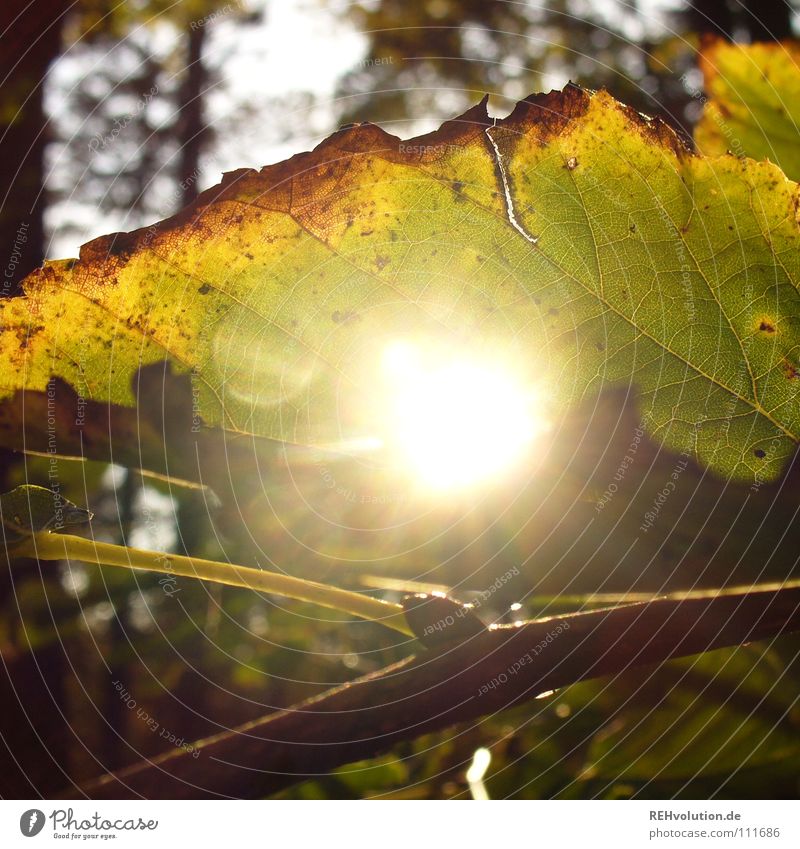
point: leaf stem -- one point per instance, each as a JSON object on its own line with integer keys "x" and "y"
{"x": 47, "y": 546}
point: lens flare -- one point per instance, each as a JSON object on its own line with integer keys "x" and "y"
{"x": 457, "y": 421}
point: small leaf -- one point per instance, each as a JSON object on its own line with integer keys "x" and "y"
{"x": 30, "y": 509}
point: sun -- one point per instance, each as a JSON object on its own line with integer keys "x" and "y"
{"x": 456, "y": 420}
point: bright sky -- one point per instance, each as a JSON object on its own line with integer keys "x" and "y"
{"x": 267, "y": 71}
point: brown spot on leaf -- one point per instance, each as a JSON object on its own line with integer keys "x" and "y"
{"x": 790, "y": 370}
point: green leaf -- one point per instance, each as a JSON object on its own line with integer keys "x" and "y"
{"x": 575, "y": 238}
{"x": 29, "y": 509}
{"x": 713, "y": 714}
{"x": 754, "y": 105}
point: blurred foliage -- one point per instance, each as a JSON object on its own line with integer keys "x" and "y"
{"x": 107, "y": 19}
{"x": 722, "y": 724}
{"x": 752, "y": 104}
{"x": 428, "y": 60}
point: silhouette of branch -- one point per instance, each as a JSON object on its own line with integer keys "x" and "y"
{"x": 460, "y": 682}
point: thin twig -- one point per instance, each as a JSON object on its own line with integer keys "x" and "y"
{"x": 46, "y": 546}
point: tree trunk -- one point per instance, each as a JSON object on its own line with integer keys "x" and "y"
{"x": 30, "y": 39}
{"x": 192, "y": 132}
{"x": 32, "y": 686}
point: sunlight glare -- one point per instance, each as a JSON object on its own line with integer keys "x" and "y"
{"x": 481, "y": 759}
{"x": 457, "y": 421}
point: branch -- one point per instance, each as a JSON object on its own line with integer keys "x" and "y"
{"x": 47, "y": 546}
{"x": 501, "y": 667}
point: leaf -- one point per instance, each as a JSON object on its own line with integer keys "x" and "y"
{"x": 575, "y": 237}
{"x": 28, "y": 509}
{"x": 707, "y": 715}
{"x": 754, "y": 106}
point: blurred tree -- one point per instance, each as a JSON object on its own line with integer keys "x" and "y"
{"x": 137, "y": 130}
{"x": 426, "y": 59}
{"x": 765, "y": 20}
{"x": 30, "y": 39}
{"x": 46, "y": 702}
